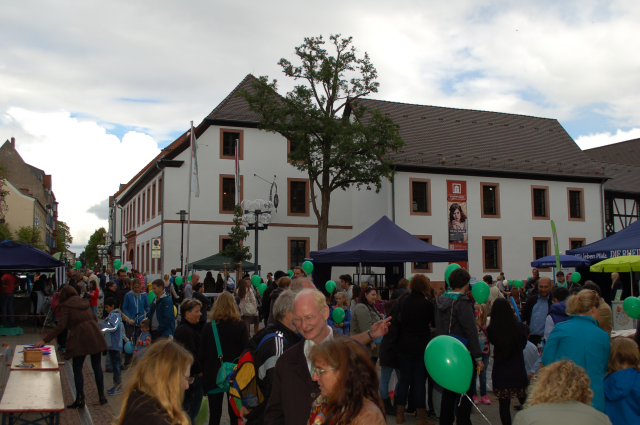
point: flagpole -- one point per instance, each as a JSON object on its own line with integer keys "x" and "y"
{"x": 189, "y": 202}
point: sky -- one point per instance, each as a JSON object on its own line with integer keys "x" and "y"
{"x": 93, "y": 90}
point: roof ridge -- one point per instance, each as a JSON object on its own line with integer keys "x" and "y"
{"x": 459, "y": 109}
{"x": 230, "y": 95}
{"x": 613, "y": 144}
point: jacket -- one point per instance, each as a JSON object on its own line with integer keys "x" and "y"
{"x": 113, "y": 330}
{"x": 571, "y": 413}
{"x": 265, "y": 359}
{"x": 95, "y": 294}
{"x": 370, "y": 414}
{"x": 418, "y": 315}
{"x": 84, "y": 335}
{"x": 622, "y": 397}
{"x": 344, "y": 330}
{"x": 527, "y": 309}
{"x": 163, "y": 307}
{"x": 274, "y": 296}
{"x": 457, "y": 316}
{"x": 389, "y": 343}
{"x": 120, "y": 291}
{"x": 510, "y": 373}
{"x": 143, "y": 409}
{"x": 135, "y": 306}
{"x": 266, "y": 299}
{"x": 205, "y": 305}
{"x": 209, "y": 284}
{"x": 558, "y": 312}
{"x": 187, "y": 334}
{"x": 362, "y": 318}
{"x": 111, "y": 294}
{"x": 580, "y": 339}
{"x": 398, "y": 292}
{"x": 234, "y": 339}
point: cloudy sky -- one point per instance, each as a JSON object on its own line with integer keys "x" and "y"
{"x": 92, "y": 90}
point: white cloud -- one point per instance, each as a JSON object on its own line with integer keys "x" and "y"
{"x": 86, "y": 163}
{"x": 603, "y": 139}
{"x": 100, "y": 210}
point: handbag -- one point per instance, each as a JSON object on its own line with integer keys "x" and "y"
{"x": 249, "y": 308}
{"x": 463, "y": 340}
{"x": 226, "y": 368}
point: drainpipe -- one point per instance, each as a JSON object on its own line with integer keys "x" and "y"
{"x": 393, "y": 195}
{"x": 604, "y": 224}
{"x": 164, "y": 183}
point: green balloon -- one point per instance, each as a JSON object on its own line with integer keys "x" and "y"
{"x": 78, "y": 265}
{"x": 189, "y": 278}
{"x": 338, "y": 315}
{"x": 152, "y": 296}
{"x": 449, "y": 363}
{"x": 330, "y": 286}
{"x": 518, "y": 283}
{"x": 530, "y": 277}
{"x": 575, "y": 278}
{"x": 449, "y": 269}
{"x": 307, "y": 266}
{"x": 410, "y": 277}
{"x": 178, "y": 280}
{"x": 290, "y": 273}
{"x": 262, "y": 287}
{"x": 125, "y": 268}
{"x": 255, "y": 280}
{"x": 480, "y": 292}
{"x": 117, "y": 264}
{"x": 631, "y": 306}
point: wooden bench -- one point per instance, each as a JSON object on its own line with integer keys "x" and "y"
{"x": 49, "y": 362}
{"x": 32, "y": 391}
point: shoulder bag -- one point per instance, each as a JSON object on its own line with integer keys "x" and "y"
{"x": 226, "y": 369}
{"x": 249, "y": 309}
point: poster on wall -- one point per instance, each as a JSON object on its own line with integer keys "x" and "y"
{"x": 457, "y": 214}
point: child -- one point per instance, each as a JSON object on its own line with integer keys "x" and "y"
{"x": 532, "y": 360}
{"x": 341, "y": 301}
{"x": 144, "y": 340}
{"x": 94, "y": 293}
{"x": 481, "y": 325}
{"x": 622, "y": 386}
{"x": 113, "y": 330}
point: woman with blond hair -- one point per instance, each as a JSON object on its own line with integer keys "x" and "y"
{"x": 622, "y": 386}
{"x": 248, "y": 305}
{"x": 559, "y": 394}
{"x": 155, "y": 389}
{"x": 233, "y": 335}
{"x": 348, "y": 384}
{"x": 168, "y": 287}
{"x": 580, "y": 339}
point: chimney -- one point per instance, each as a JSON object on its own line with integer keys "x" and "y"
{"x": 13, "y": 142}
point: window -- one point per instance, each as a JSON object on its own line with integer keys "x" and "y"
{"x": 147, "y": 256}
{"x": 228, "y": 193}
{"x": 492, "y": 253}
{"x": 298, "y": 204}
{"x": 228, "y": 138}
{"x": 298, "y": 251}
{"x": 422, "y": 267}
{"x": 575, "y": 198}
{"x": 143, "y": 204}
{"x": 291, "y": 146}
{"x": 419, "y": 195}
{"x": 541, "y": 248}
{"x": 490, "y": 200}
{"x": 160, "y": 195}
{"x": 224, "y": 241}
{"x": 138, "y": 211}
{"x": 153, "y": 203}
{"x": 608, "y": 210}
{"x": 540, "y": 202}
{"x": 575, "y": 243}
{"x": 137, "y": 262}
{"x": 148, "y": 204}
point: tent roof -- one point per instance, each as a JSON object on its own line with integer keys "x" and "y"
{"x": 216, "y": 262}
{"x": 625, "y": 242}
{"x": 565, "y": 261}
{"x": 386, "y": 242}
{"x": 20, "y": 256}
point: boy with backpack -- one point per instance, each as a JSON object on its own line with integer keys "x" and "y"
{"x": 113, "y": 330}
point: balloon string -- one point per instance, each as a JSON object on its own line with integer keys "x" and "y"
{"x": 474, "y": 405}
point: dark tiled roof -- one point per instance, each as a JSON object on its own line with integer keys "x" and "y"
{"x": 624, "y": 178}
{"x": 233, "y": 108}
{"x": 481, "y": 140}
{"x": 619, "y": 153}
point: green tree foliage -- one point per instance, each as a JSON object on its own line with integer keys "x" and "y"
{"x": 336, "y": 141}
{"x": 91, "y": 250}
{"x": 64, "y": 238}
{"x": 5, "y": 232}
{"x": 83, "y": 258}
{"x": 235, "y": 250}
{"x": 4, "y": 192}
{"x": 31, "y": 236}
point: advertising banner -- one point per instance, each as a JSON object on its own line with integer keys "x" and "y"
{"x": 457, "y": 216}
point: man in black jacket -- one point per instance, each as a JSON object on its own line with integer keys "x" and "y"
{"x": 266, "y": 296}
{"x": 456, "y": 316}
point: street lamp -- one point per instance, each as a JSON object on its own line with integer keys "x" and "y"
{"x": 183, "y": 217}
{"x": 257, "y": 216}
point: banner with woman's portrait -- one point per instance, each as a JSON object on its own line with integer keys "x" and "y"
{"x": 457, "y": 215}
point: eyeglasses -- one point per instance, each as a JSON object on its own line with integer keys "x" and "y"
{"x": 321, "y": 371}
{"x": 309, "y": 319}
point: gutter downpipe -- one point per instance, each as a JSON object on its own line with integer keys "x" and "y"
{"x": 162, "y": 220}
{"x": 603, "y": 216}
{"x": 393, "y": 196}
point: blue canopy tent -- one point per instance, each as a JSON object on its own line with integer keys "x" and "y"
{"x": 565, "y": 261}
{"x": 625, "y": 242}
{"x": 22, "y": 257}
{"x": 383, "y": 244}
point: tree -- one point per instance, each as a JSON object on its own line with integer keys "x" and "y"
{"x": 336, "y": 141}
{"x": 236, "y": 250}
{"x": 4, "y": 175}
{"x": 64, "y": 238}
{"x": 5, "y": 232}
{"x": 91, "y": 250}
{"x": 82, "y": 258}
{"x": 31, "y": 236}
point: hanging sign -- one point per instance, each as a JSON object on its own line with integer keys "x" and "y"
{"x": 458, "y": 222}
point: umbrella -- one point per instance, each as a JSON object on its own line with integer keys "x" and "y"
{"x": 565, "y": 261}
{"x": 625, "y": 263}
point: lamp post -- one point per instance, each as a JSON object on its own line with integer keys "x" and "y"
{"x": 257, "y": 216}
{"x": 183, "y": 218}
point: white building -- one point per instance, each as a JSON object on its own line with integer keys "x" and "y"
{"x": 520, "y": 173}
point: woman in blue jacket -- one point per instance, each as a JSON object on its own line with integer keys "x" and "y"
{"x": 581, "y": 340}
{"x": 135, "y": 306}
{"x": 622, "y": 386}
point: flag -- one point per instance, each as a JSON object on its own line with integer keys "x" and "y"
{"x": 238, "y": 200}
{"x": 557, "y": 251}
{"x": 195, "y": 187}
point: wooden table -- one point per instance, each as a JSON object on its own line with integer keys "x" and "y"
{"x": 30, "y": 391}
{"x": 49, "y": 362}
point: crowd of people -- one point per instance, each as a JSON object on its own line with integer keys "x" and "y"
{"x": 547, "y": 345}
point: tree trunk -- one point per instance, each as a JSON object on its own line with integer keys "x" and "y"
{"x": 323, "y": 220}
